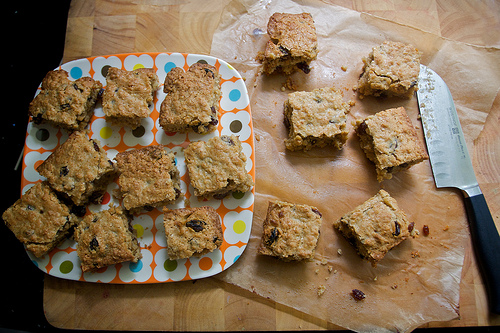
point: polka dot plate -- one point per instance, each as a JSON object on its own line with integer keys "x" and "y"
{"x": 235, "y": 210}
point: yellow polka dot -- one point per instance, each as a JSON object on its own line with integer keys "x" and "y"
{"x": 138, "y": 66}
{"x": 105, "y": 132}
{"x": 239, "y": 227}
{"x": 139, "y": 229}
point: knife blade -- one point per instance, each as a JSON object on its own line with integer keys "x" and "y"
{"x": 452, "y": 167}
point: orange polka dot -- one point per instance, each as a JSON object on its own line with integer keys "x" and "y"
{"x": 102, "y": 270}
{"x": 106, "y": 198}
{"x": 205, "y": 263}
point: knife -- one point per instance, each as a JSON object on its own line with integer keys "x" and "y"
{"x": 452, "y": 167}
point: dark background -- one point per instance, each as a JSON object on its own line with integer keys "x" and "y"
{"x": 35, "y": 33}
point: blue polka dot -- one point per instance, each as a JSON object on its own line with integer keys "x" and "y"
{"x": 236, "y": 258}
{"x": 76, "y": 73}
{"x": 168, "y": 66}
{"x": 136, "y": 266}
{"x": 234, "y": 95}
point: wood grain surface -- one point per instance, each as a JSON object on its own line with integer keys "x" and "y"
{"x": 100, "y": 27}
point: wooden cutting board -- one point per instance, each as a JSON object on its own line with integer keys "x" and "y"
{"x": 100, "y": 27}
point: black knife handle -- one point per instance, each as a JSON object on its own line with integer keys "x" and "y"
{"x": 486, "y": 242}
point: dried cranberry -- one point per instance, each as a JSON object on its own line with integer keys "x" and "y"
{"x": 283, "y": 50}
{"x": 94, "y": 244}
{"x": 317, "y": 212}
{"x": 96, "y": 146}
{"x": 304, "y": 67}
{"x": 196, "y": 225}
{"x": 358, "y": 295}
{"x": 64, "y": 171}
{"x": 426, "y": 230}
{"x": 275, "y": 233}
{"x": 228, "y": 140}
{"x": 361, "y": 129}
{"x": 397, "y": 229}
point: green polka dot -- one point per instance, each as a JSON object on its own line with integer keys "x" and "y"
{"x": 139, "y": 131}
{"x": 104, "y": 70}
{"x": 66, "y": 267}
{"x": 42, "y": 134}
{"x": 170, "y": 265}
{"x": 239, "y": 227}
{"x": 238, "y": 195}
{"x": 235, "y": 125}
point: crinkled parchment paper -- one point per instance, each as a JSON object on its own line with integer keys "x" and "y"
{"x": 418, "y": 281}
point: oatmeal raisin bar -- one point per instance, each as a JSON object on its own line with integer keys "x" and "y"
{"x": 316, "y": 119}
{"x": 40, "y": 220}
{"x": 293, "y": 43}
{"x": 148, "y": 177}
{"x": 217, "y": 167}
{"x": 192, "y": 101}
{"x": 192, "y": 231}
{"x": 390, "y": 141}
{"x": 375, "y": 227}
{"x": 79, "y": 168}
{"x": 391, "y": 69}
{"x": 128, "y": 95}
{"x": 65, "y": 103}
{"x": 290, "y": 231}
{"x": 105, "y": 238}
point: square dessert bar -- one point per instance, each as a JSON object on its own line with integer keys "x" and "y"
{"x": 293, "y": 43}
{"x": 316, "y": 119}
{"x": 79, "y": 168}
{"x": 391, "y": 69}
{"x": 148, "y": 177}
{"x": 105, "y": 238}
{"x": 40, "y": 220}
{"x": 192, "y": 231}
{"x": 375, "y": 227}
{"x": 128, "y": 95}
{"x": 217, "y": 167}
{"x": 290, "y": 231}
{"x": 192, "y": 101}
{"x": 64, "y": 103}
{"x": 390, "y": 141}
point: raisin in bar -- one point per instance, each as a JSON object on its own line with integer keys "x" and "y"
{"x": 316, "y": 119}
{"x": 293, "y": 43}
{"x": 148, "y": 177}
{"x": 217, "y": 167}
{"x": 192, "y": 101}
{"x": 192, "y": 231}
{"x": 65, "y": 103}
{"x": 391, "y": 69}
{"x": 290, "y": 231}
{"x": 105, "y": 238}
{"x": 390, "y": 141}
{"x": 128, "y": 95}
{"x": 375, "y": 227}
{"x": 40, "y": 220}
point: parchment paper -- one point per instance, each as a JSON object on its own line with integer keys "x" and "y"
{"x": 418, "y": 281}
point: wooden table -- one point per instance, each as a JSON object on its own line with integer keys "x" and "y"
{"x": 99, "y": 27}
